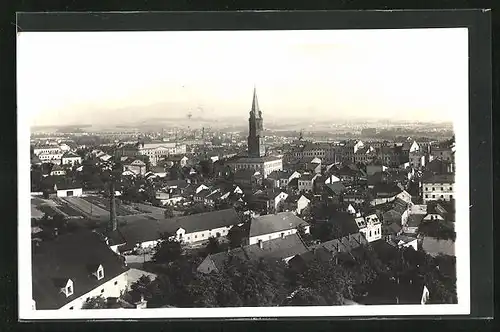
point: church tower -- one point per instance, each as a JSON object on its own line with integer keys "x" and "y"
{"x": 256, "y": 147}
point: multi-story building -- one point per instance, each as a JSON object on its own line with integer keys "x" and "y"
{"x": 370, "y": 226}
{"x": 154, "y": 151}
{"x": 438, "y": 187}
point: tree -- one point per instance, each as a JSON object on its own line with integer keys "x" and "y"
{"x": 169, "y": 212}
{"x": 236, "y": 235}
{"x": 306, "y": 296}
{"x": 96, "y": 302}
{"x": 167, "y": 250}
{"x": 207, "y": 168}
{"x": 213, "y": 246}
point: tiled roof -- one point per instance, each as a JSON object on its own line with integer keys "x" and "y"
{"x": 275, "y": 249}
{"x": 440, "y": 178}
{"x": 344, "y": 244}
{"x": 70, "y": 257}
{"x": 151, "y": 229}
{"x": 271, "y": 223}
{"x": 414, "y": 220}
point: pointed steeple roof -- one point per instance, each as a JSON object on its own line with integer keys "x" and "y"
{"x": 255, "y": 103}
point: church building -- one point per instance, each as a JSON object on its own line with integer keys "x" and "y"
{"x": 257, "y": 159}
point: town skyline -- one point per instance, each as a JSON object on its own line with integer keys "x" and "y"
{"x": 413, "y": 75}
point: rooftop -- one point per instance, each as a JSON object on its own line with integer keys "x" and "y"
{"x": 146, "y": 229}
{"x": 272, "y": 223}
{"x": 275, "y": 249}
{"x": 439, "y": 178}
{"x": 254, "y": 160}
{"x": 70, "y": 256}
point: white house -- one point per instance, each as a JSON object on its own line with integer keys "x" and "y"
{"x": 191, "y": 229}
{"x": 302, "y": 203}
{"x": 57, "y": 171}
{"x": 51, "y": 157}
{"x": 273, "y": 226}
{"x": 63, "y": 190}
{"x": 70, "y": 158}
{"x": 332, "y": 179}
{"x": 370, "y": 226}
{"x": 90, "y": 270}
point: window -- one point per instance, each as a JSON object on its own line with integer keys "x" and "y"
{"x": 433, "y": 196}
{"x": 451, "y": 196}
{"x": 426, "y": 196}
{"x": 432, "y": 188}
{"x": 69, "y": 290}
{"x": 102, "y": 290}
{"x": 116, "y": 283}
{"x": 451, "y": 188}
{"x": 442, "y": 188}
{"x": 442, "y": 196}
{"x": 196, "y": 236}
{"x": 71, "y": 308}
{"x": 203, "y": 235}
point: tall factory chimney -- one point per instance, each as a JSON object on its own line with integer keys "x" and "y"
{"x": 112, "y": 208}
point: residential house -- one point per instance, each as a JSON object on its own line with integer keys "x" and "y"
{"x": 302, "y": 203}
{"x": 73, "y": 268}
{"x": 438, "y": 187}
{"x": 64, "y": 189}
{"x": 190, "y": 229}
{"x": 57, "y": 171}
{"x": 403, "y": 241}
{"x": 138, "y": 167}
{"x": 281, "y": 179}
{"x": 70, "y": 158}
{"x": 281, "y": 248}
{"x": 270, "y": 200}
{"x": 417, "y": 159}
{"x": 412, "y": 223}
{"x": 335, "y": 191}
{"x": 178, "y": 160}
{"x": 51, "y": 157}
{"x": 157, "y": 171}
{"x": 248, "y": 178}
{"x": 365, "y": 155}
{"x": 272, "y": 226}
{"x": 370, "y": 226}
{"x": 306, "y": 182}
{"x": 438, "y": 166}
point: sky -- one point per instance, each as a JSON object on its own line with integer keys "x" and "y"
{"x": 121, "y": 77}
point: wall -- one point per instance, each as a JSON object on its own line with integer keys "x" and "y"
{"x": 443, "y": 191}
{"x": 64, "y": 193}
{"x": 205, "y": 235}
{"x": 271, "y": 236}
{"x": 302, "y": 203}
{"x": 372, "y": 232}
{"x": 110, "y": 290}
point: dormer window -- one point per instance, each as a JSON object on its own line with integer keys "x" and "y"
{"x": 100, "y": 273}
{"x": 67, "y": 289}
{"x": 97, "y": 271}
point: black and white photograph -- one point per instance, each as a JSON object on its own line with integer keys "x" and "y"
{"x": 243, "y": 173}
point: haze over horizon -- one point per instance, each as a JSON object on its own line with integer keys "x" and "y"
{"x": 115, "y": 78}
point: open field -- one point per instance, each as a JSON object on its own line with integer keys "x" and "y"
{"x": 103, "y": 203}
{"x": 86, "y": 207}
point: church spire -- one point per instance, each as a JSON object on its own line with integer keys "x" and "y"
{"x": 255, "y": 104}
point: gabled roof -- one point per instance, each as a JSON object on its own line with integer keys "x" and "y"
{"x": 272, "y": 223}
{"x": 70, "y": 256}
{"x": 344, "y": 244}
{"x": 275, "y": 249}
{"x": 345, "y": 222}
{"x": 308, "y": 176}
{"x": 439, "y": 178}
{"x": 151, "y": 229}
{"x": 70, "y": 154}
{"x": 337, "y": 187}
{"x": 414, "y": 220}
